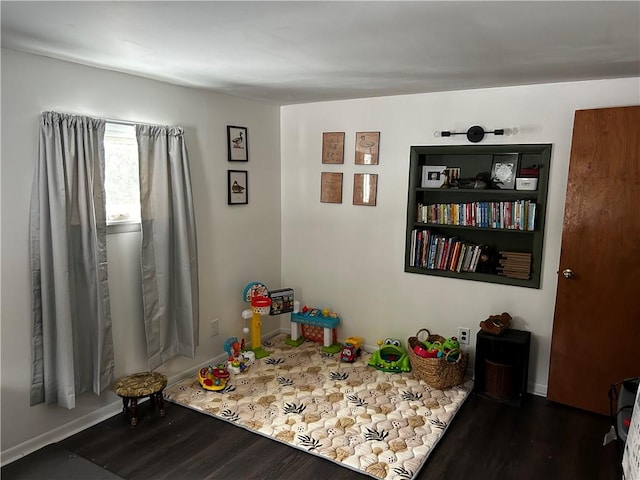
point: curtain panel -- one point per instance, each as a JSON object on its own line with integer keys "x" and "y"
{"x": 72, "y": 344}
{"x": 169, "y": 256}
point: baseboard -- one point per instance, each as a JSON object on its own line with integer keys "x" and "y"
{"x": 538, "y": 389}
{"x": 60, "y": 433}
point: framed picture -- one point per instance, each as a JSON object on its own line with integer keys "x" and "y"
{"x": 365, "y": 189}
{"x": 238, "y": 187}
{"x": 452, "y": 176}
{"x": 503, "y": 171}
{"x": 333, "y": 147}
{"x": 367, "y": 148}
{"x": 238, "y": 144}
{"x": 331, "y": 187}
{"x": 433, "y": 176}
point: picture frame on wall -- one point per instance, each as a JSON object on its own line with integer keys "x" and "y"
{"x": 333, "y": 147}
{"x": 238, "y": 187}
{"x": 367, "y": 148}
{"x": 365, "y": 189}
{"x": 238, "y": 143}
{"x": 331, "y": 187}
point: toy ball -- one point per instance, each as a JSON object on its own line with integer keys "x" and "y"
{"x": 245, "y": 330}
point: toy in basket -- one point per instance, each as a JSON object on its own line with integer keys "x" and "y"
{"x": 444, "y": 371}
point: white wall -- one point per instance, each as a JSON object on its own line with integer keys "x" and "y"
{"x": 236, "y": 244}
{"x": 351, "y": 258}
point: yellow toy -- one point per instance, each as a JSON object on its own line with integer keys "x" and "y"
{"x": 213, "y": 378}
{"x": 258, "y": 294}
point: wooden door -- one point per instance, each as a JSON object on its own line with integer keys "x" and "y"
{"x": 596, "y": 326}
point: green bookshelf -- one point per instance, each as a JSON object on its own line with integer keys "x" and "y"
{"x": 500, "y": 218}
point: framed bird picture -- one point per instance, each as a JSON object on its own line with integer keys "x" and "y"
{"x": 238, "y": 186}
{"x": 367, "y": 148}
{"x": 238, "y": 144}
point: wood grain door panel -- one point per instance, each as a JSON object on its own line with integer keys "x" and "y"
{"x": 596, "y": 330}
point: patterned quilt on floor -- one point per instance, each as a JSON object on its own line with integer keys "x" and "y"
{"x": 381, "y": 424}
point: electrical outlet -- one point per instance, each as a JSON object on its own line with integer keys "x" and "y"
{"x": 463, "y": 335}
{"x": 214, "y": 327}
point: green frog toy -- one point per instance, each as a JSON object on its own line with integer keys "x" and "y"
{"x": 390, "y": 357}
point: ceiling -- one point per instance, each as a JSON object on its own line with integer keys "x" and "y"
{"x": 300, "y": 52}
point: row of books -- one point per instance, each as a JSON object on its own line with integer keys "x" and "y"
{"x": 515, "y": 215}
{"x": 437, "y": 252}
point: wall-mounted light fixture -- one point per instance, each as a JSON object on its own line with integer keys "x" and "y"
{"x": 476, "y": 133}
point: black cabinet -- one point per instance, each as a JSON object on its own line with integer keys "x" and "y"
{"x": 455, "y": 200}
{"x": 502, "y": 365}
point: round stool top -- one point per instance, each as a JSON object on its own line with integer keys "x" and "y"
{"x": 140, "y": 384}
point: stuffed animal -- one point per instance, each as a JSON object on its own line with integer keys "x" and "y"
{"x": 451, "y": 343}
{"x": 496, "y": 324}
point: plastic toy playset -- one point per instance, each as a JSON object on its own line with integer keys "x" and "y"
{"x": 311, "y": 324}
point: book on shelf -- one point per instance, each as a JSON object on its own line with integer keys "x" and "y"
{"x": 454, "y": 257}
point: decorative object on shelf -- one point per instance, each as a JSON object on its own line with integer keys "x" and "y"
{"x": 433, "y": 176}
{"x": 238, "y": 144}
{"x": 503, "y": 171}
{"x": 333, "y": 147}
{"x": 529, "y": 184}
{"x": 365, "y": 189}
{"x": 515, "y": 265}
{"x": 238, "y": 187}
{"x": 476, "y": 133}
{"x": 451, "y": 178}
{"x": 528, "y": 178}
{"x": 367, "y": 148}
{"x": 486, "y": 260}
{"x": 496, "y": 324}
{"x": 331, "y": 187}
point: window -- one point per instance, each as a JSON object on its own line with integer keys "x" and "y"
{"x": 122, "y": 185}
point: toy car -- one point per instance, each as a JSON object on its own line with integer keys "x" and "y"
{"x": 350, "y": 350}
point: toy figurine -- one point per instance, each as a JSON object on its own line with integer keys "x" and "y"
{"x": 390, "y": 357}
{"x": 451, "y": 344}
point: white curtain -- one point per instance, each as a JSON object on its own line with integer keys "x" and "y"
{"x": 169, "y": 255}
{"x": 72, "y": 345}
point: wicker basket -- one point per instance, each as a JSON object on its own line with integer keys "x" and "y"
{"x": 440, "y": 372}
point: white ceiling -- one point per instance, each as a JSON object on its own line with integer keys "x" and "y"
{"x": 299, "y": 52}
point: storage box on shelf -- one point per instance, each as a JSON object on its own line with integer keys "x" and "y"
{"x": 455, "y": 229}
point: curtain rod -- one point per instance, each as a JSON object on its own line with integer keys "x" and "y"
{"x": 133, "y": 124}
{"x": 120, "y": 122}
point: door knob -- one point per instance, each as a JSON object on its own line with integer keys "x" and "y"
{"x": 567, "y": 273}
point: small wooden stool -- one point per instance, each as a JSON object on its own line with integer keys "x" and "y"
{"x": 140, "y": 385}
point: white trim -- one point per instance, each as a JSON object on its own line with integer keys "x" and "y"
{"x": 60, "y": 433}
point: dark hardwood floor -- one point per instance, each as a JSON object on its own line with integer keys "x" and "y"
{"x": 487, "y": 440}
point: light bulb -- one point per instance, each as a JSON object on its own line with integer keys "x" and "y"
{"x": 436, "y": 134}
